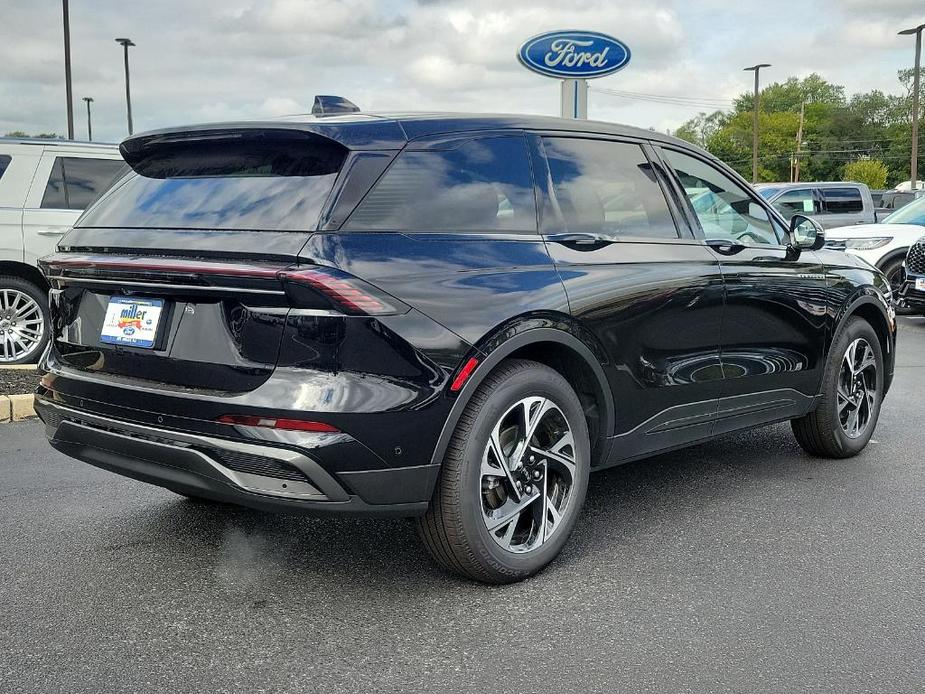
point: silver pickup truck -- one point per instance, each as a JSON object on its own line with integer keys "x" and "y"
{"x": 44, "y": 187}
{"x": 832, "y": 204}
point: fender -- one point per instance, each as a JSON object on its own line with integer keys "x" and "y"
{"x": 508, "y": 347}
{"x": 864, "y": 295}
{"x": 870, "y": 296}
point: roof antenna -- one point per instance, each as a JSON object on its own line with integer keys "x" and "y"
{"x": 327, "y": 105}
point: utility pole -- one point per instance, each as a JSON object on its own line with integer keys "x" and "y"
{"x": 755, "y": 69}
{"x": 67, "y": 71}
{"x": 796, "y": 167}
{"x": 89, "y": 99}
{"x": 128, "y": 92}
{"x": 915, "y": 100}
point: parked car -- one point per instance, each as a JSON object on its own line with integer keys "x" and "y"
{"x": 885, "y": 245}
{"x": 455, "y": 318}
{"x": 892, "y": 200}
{"x": 44, "y": 186}
{"x": 912, "y": 292}
{"x": 832, "y": 204}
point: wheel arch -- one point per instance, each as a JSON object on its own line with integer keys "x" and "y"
{"x": 25, "y": 272}
{"x": 561, "y": 351}
{"x": 895, "y": 254}
{"x": 869, "y": 306}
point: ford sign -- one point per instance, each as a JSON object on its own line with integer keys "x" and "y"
{"x": 574, "y": 54}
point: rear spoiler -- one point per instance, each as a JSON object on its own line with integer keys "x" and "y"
{"x": 358, "y": 132}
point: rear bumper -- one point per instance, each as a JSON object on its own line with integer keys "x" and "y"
{"x": 252, "y": 474}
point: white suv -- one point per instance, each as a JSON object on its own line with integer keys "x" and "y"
{"x": 885, "y": 245}
{"x": 44, "y": 186}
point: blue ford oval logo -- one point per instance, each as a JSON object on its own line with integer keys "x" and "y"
{"x": 574, "y": 54}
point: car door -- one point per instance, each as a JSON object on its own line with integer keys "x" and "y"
{"x": 62, "y": 187}
{"x": 639, "y": 282}
{"x": 774, "y": 326}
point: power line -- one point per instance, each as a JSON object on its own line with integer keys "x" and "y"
{"x": 690, "y": 102}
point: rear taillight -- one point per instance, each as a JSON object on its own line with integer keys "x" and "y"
{"x": 246, "y": 420}
{"x": 346, "y": 292}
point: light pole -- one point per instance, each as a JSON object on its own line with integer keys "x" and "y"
{"x": 89, "y": 99}
{"x": 755, "y": 68}
{"x": 915, "y": 100}
{"x": 67, "y": 71}
{"x": 128, "y": 93}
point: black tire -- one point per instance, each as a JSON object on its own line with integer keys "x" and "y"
{"x": 821, "y": 432}
{"x": 454, "y": 529}
{"x": 895, "y": 273}
{"x": 40, "y": 296}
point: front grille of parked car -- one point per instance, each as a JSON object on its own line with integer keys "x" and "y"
{"x": 255, "y": 465}
{"x": 915, "y": 261}
{"x": 836, "y": 244}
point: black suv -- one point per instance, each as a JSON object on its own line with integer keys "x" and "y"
{"x": 913, "y": 289}
{"x": 456, "y": 318}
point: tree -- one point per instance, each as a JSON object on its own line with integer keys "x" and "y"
{"x": 869, "y": 171}
{"x": 699, "y": 129}
{"x": 837, "y": 130}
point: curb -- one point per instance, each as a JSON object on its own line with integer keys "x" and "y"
{"x": 14, "y": 408}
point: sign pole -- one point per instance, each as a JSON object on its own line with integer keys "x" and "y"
{"x": 574, "y": 99}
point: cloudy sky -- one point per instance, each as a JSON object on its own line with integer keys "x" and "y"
{"x": 209, "y": 60}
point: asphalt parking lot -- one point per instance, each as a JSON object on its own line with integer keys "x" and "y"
{"x": 738, "y": 565}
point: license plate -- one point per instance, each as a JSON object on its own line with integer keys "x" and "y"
{"x": 920, "y": 284}
{"x": 131, "y": 322}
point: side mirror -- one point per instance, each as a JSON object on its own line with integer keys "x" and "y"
{"x": 806, "y": 234}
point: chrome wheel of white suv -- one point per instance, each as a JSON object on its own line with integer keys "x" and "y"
{"x": 22, "y": 326}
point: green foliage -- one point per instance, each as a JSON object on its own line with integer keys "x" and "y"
{"x": 837, "y": 130}
{"x": 873, "y": 172}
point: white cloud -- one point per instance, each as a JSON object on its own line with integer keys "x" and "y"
{"x": 230, "y": 59}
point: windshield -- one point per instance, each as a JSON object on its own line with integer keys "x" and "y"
{"x": 913, "y": 213}
{"x": 767, "y": 193}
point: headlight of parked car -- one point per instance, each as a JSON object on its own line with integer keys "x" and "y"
{"x": 867, "y": 244}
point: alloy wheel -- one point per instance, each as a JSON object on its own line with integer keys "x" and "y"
{"x": 527, "y": 474}
{"x": 22, "y": 325}
{"x": 857, "y": 388}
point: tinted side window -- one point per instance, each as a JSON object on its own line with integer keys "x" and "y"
{"x": 608, "y": 188}
{"x": 480, "y": 185}
{"x": 725, "y": 209}
{"x": 796, "y": 202}
{"x": 55, "y": 196}
{"x": 87, "y": 178}
{"x": 842, "y": 200}
{"x": 5, "y": 160}
{"x": 75, "y": 182}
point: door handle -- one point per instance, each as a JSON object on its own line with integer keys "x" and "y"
{"x": 724, "y": 247}
{"x": 52, "y": 231}
{"x": 580, "y": 238}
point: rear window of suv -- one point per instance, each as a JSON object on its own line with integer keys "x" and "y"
{"x": 240, "y": 182}
{"x": 476, "y": 185}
